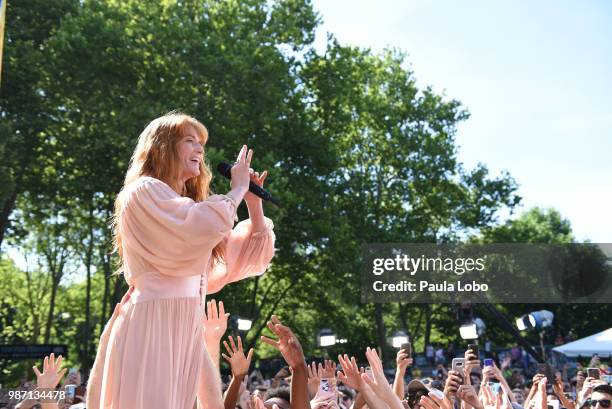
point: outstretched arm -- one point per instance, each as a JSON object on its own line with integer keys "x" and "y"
{"x": 240, "y": 368}
{"x": 291, "y": 350}
{"x": 215, "y": 325}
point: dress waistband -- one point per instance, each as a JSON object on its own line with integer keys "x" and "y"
{"x": 152, "y": 285}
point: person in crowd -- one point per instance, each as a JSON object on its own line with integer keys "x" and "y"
{"x": 239, "y": 364}
{"x": 601, "y": 397}
{"x": 429, "y": 354}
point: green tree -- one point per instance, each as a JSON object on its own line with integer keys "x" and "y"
{"x": 29, "y": 23}
{"x": 397, "y": 177}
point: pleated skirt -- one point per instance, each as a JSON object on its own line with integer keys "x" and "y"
{"x": 151, "y": 357}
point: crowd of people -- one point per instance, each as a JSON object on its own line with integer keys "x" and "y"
{"x": 347, "y": 385}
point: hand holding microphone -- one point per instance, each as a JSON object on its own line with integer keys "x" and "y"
{"x": 243, "y": 177}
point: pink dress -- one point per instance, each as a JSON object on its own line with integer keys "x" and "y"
{"x": 152, "y": 354}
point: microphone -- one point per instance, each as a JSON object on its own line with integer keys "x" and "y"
{"x": 225, "y": 169}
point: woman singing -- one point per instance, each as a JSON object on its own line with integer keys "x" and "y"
{"x": 177, "y": 243}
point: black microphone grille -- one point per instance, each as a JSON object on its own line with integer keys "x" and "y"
{"x": 225, "y": 169}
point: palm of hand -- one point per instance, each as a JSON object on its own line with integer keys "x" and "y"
{"x": 352, "y": 380}
{"x": 350, "y": 375}
{"x": 215, "y": 321}
{"x": 51, "y": 374}
{"x": 291, "y": 350}
{"x": 215, "y": 328}
{"x": 330, "y": 369}
{"x": 239, "y": 363}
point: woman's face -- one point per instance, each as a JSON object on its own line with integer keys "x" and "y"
{"x": 190, "y": 152}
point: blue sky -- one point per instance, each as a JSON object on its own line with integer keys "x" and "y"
{"x": 535, "y": 76}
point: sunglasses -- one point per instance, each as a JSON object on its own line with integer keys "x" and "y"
{"x": 605, "y": 403}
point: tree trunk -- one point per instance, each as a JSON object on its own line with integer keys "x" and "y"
{"x": 7, "y": 209}
{"x": 380, "y": 331}
{"x": 427, "y": 326}
{"x": 403, "y": 312}
{"x": 56, "y": 268}
{"x": 88, "y": 261}
{"x": 54, "y": 286}
{"x": 254, "y": 298}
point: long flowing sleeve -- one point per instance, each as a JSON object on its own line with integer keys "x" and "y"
{"x": 247, "y": 253}
{"x": 171, "y": 232}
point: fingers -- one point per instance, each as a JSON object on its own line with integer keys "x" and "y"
{"x": 369, "y": 381}
{"x": 62, "y": 373}
{"x": 249, "y": 157}
{"x": 374, "y": 360}
{"x": 428, "y": 403}
{"x": 275, "y": 320}
{"x": 227, "y": 358}
{"x": 263, "y": 176}
{"x": 227, "y": 348}
{"x": 214, "y": 312}
{"x": 270, "y": 341}
{"x": 36, "y": 371}
{"x": 233, "y": 344}
{"x": 272, "y": 327}
{"x": 311, "y": 371}
{"x": 240, "y": 343}
{"x": 241, "y": 154}
{"x": 250, "y": 355}
{"x": 435, "y": 398}
{"x": 221, "y": 309}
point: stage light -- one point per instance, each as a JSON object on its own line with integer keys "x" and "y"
{"x": 473, "y": 329}
{"x": 399, "y": 338}
{"x": 537, "y": 320}
{"x": 244, "y": 324}
{"x": 326, "y": 338}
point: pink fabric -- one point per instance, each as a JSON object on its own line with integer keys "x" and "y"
{"x": 151, "y": 354}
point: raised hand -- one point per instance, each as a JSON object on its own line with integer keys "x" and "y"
{"x": 258, "y": 179}
{"x": 487, "y": 395}
{"x": 540, "y": 399}
{"x": 471, "y": 362}
{"x": 215, "y": 322}
{"x": 235, "y": 356}
{"x": 51, "y": 374}
{"x": 315, "y": 373}
{"x": 467, "y": 393}
{"x": 240, "y": 170}
{"x": 378, "y": 382}
{"x": 350, "y": 374}
{"x": 257, "y": 402}
{"x": 288, "y": 344}
{"x": 453, "y": 383}
{"x": 403, "y": 360}
{"x": 329, "y": 370}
